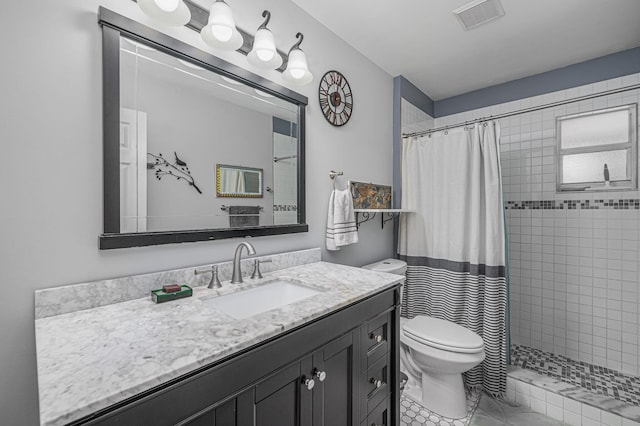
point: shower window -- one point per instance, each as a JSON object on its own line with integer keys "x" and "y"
{"x": 597, "y": 150}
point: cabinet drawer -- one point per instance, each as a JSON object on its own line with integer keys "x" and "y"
{"x": 375, "y": 383}
{"x": 376, "y": 338}
{"x": 379, "y": 416}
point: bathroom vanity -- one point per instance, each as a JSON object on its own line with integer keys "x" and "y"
{"x": 329, "y": 359}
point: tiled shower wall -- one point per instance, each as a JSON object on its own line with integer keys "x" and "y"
{"x": 573, "y": 257}
{"x": 413, "y": 118}
{"x": 285, "y": 193}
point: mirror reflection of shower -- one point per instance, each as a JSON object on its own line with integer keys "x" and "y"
{"x": 285, "y": 166}
{"x": 289, "y": 157}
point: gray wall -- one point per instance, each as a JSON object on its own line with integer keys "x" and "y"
{"x": 588, "y": 72}
{"x": 51, "y": 179}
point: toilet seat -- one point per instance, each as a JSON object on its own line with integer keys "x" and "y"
{"x": 442, "y": 334}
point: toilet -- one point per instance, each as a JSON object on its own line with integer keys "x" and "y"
{"x": 434, "y": 353}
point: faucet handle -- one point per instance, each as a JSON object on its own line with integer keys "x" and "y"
{"x": 215, "y": 281}
{"x": 256, "y": 268}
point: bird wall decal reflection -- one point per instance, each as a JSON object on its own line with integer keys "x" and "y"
{"x": 178, "y": 169}
{"x": 179, "y": 162}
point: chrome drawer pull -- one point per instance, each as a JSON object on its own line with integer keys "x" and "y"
{"x": 376, "y": 383}
{"x": 321, "y": 375}
{"x": 309, "y": 383}
{"x": 376, "y": 337}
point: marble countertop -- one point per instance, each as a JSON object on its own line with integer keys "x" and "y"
{"x": 93, "y": 358}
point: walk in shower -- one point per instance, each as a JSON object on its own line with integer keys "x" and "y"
{"x": 573, "y": 255}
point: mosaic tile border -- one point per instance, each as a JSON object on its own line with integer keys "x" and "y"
{"x": 285, "y": 207}
{"x": 414, "y": 414}
{"x": 598, "y": 380}
{"x": 621, "y": 204}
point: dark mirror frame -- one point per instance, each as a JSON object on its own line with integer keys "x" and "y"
{"x": 115, "y": 25}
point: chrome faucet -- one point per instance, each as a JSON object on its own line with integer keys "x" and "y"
{"x": 236, "y": 278}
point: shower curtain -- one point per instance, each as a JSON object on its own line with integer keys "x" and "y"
{"x": 454, "y": 243}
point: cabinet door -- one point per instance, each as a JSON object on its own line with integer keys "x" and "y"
{"x": 333, "y": 397}
{"x": 281, "y": 399}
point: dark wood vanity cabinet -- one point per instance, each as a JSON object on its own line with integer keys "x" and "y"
{"x": 333, "y": 400}
{"x": 314, "y": 391}
{"x": 351, "y": 356}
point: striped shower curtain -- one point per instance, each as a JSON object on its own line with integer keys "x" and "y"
{"x": 454, "y": 244}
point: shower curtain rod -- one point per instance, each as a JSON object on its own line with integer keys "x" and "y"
{"x": 525, "y": 110}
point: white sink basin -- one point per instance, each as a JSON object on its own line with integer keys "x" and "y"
{"x": 254, "y": 301}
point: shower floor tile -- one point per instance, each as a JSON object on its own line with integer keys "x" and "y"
{"x": 414, "y": 414}
{"x": 598, "y": 380}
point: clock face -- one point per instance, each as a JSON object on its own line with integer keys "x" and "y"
{"x": 336, "y": 99}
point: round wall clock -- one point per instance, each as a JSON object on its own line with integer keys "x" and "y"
{"x": 336, "y": 99}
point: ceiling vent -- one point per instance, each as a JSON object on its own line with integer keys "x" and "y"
{"x": 479, "y": 12}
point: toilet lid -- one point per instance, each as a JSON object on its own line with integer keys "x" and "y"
{"x": 393, "y": 266}
{"x": 442, "y": 334}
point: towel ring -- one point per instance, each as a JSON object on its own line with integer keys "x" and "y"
{"x": 333, "y": 175}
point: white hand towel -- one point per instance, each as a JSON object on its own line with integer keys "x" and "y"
{"x": 341, "y": 223}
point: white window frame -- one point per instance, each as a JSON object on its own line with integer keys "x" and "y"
{"x": 631, "y": 146}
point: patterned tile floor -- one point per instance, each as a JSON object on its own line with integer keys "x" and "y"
{"x": 494, "y": 412}
{"x": 414, "y": 414}
{"x": 599, "y": 380}
{"x": 482, "y": 411}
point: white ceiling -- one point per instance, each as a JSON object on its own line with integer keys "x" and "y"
{"x": 424, "y": 41}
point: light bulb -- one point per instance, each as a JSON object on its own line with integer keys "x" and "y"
{"x": 167, "y": 5}
{"x": 265, "y": 54}
{"x": 221, "y": 21}
{"x": 169, "y": 12}
{"x": 221, "y": 32}
{"x": 297, "y": 73}
{"x": 264, "y": 45}
{"x": 297, "y": 64}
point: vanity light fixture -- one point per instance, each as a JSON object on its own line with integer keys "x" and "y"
{"x": 168, "y": 12}
{"x": 263, "y": 53}
{"x": 297, "y": 71}
{"x": 221, "y": 32}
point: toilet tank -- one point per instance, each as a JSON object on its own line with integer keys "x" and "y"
{"x": 391, "y": 266}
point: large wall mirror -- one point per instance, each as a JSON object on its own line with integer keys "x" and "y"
{"x": 172, "y": 116}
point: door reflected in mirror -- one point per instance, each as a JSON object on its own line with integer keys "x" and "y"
{"x": 238, "y": 181}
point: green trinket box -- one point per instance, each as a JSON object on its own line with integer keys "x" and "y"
{"x": 159, "y": 296}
